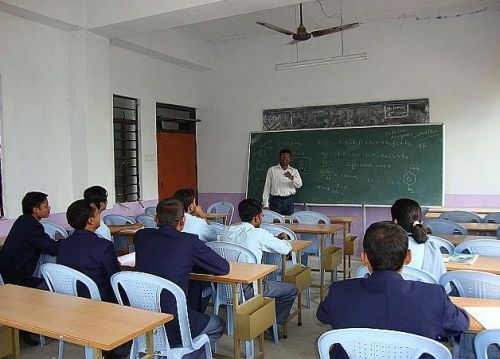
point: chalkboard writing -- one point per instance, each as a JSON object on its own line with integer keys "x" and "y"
{"x": 398, "y": 112}
{"x": 360, "y": 165}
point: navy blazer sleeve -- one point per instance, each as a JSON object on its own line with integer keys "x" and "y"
{"x": 110, "y": 262}
{"x": 41, "y": 240}
{"x": 207, "y": 261}
{"x": 454, "y": 320}
{"x": 325, "y": 312}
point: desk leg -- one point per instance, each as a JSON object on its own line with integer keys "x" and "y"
{"x": 236, "y": 341}
{"x": 321, "y": 270}
{"x": 261, "y": 336}
{"x": 97, "y": 353}
{"x": 16, "y": 348}
{"x": 343, "y": 252}
{"x": 149, "y": 345}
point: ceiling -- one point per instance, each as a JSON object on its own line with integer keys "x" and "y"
{"x": 244, "y": 26}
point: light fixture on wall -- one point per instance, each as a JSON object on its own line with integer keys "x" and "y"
{"x": 323, "y": 61}
{"x": 327, "y": 60}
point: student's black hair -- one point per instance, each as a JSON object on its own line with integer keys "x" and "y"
{"x": 186, "y": 196}
{"x": 248, "y": 209}
{"x": 96, "y": 195}
{"x": 386, "y": 246}
{"x": 286, "y": 150}
{"x": 407, "y": 213}
{"x": 169, "y": 211}
{"x": 78, "y": 213}
{"x": 32, "y": 200}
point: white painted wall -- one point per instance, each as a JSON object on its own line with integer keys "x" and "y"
{"x": 151, "y": 81}
{"x": 454, "y": 62}
{"x": 36, "y": 139}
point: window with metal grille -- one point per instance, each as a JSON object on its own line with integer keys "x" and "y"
{"x": 126, "y": 148}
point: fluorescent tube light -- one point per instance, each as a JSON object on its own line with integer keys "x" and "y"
{"x": 324, "y": 61}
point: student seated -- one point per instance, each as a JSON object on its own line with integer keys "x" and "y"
{"x": 385, "y": 300}
{"x": 99, "y": 197}
{"x": 26, "y": 241}
{"x": 425, "y": 254}
{"x": 258, "y": 240}
{"x": 88, "y": 253}
{"x": 196, "y": 222}
{"x": 168, "y": 253}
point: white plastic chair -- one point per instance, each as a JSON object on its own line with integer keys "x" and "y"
{"x": 234, "y": 253}
{"x": 272, "y": 217}
{"x": 118, "y": 220}
{"x": 143, "y": 291}
{"x": 147, "y": 220}
{"x": 222, "y": 207}
{"x": 55, "y": 232}
{"x": 365, "y": 343}
{"x": 151, "y": 210}
{"x": 219, "y": 228}
{"x": 483, "y": 247}
{"x": 461, "y": 217}
{"x": 483, "y": 340}
{"x": 1, "y": 280}
{"x": 408, "y": 273}
{"x": 442, "y": 244}
{"x": 443, "y": 226}
{"x": 62, "y": 279}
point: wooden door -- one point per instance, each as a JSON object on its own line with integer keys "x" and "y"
{"x": 176, "y": 162}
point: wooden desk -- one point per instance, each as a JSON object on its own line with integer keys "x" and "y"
{"x": 481, "y": 227}
{"x": 475, "y": 210}
{"x": 244, "y": 273}
{"x": 215, "y": 216}
{"x": 321, "y": 230}
{"x": 481, "y": 264}
{"x": 99, "y": 325}
{"x": 474, "y": 325}
{"x": 348, "y": 246}
{"x": 457, "y": 239}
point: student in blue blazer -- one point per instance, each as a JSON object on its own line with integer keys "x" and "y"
{"x": 171, "y": 254}
{"x": 385, "y": 300}
{"x": 88, "y": 253}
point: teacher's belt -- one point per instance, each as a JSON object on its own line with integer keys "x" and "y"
{"x": 282, "y": 196}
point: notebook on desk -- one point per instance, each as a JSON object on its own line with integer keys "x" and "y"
{"x": 460, "y": 258}
{"x": 487, "y": 316}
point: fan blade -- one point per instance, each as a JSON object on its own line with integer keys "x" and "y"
{"x": 275, "y": 28}
{"x": 293, "y": 42}
{"x": 334, "y": 29}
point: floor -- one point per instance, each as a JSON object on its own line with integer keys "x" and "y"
{"x": 300, "y": 344}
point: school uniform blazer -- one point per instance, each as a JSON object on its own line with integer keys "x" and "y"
{"x": 172, "y": 255}
{"x": 93, "y": 256}
{"x": 386, "y": 301}
{"x": 21, "y": 251}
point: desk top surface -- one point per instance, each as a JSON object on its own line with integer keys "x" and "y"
{"x": 457, "y": 239}
{"x": 474, "y": 325}
{"x": 481, "y": 264}
{"x": 481, "y": 227}
{"x": 212, "y": 216}
{"x": 300, "y": 245}
{"x": 77, "y": 320}
{"x": 244, "y": 273}
{"x": 314, "y": 228}
{"x": 334, "y": 219}
{"x": 477, "y": 210}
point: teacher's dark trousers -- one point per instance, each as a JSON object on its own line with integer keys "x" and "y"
{"x": 282, "y": 205}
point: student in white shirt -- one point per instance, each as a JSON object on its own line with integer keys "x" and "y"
{"x": 98, "y": 196}
{"x": 282, "y": 182}
{"x": 258, "y": 240}
{"x": 425, "y": 254}
{"x": 196, "y": 222}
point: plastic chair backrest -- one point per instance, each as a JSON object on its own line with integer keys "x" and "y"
{"x": 277, "y": 229}
{"x": 483, "y": 247}
{"x": 461, "y": 217}
{"x": 408, "y": 273}
{"x": 151, "y": 210}
{"x": 483, "y": 340}
{"x": 232, "y": 253}
{"x": 309, "y": 217}
{"x": 117, "y": 220}
{"x": 473, "y": 284}
{"x": 219, "y": 227}
{"x": 222, "y": 207}
{"x": 62, "y": 279}
{"x": 1, "y": 280}
{"x": 443, "y": 226}
{"x": 147, "y": 220}
{"x": 143, "y": 291}
{"x": 493, "y": 217}
{"x": 275, "y": 258}
{"x": 272, "y": 217}
{"x": 365, "y": 343}
{"x": 54, "y": 231}
{"x": 442, "y": 243}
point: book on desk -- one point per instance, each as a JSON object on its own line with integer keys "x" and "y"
{"x": 461, "y": 258}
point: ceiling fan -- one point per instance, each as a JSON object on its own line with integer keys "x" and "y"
{"x": 302, "y": 34}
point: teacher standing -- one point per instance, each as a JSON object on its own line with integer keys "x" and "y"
{"x": 281, "y": 185}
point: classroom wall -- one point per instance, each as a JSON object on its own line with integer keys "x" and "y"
{"x": 451, "y": 61}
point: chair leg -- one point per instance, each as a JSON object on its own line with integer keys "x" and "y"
{"x": 229, "y": 311}
{"x": 275, "y": 332}
{"x": 308, "y": 298}
{"x": 208, "y": 351}
{"x": 42, "y": 341}
{"x": 249, "y": 349}
{"x": 60, "y": 350}
{"x": 89, "y": 354}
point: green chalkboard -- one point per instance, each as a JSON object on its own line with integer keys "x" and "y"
{"x": 359, "y": 165}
